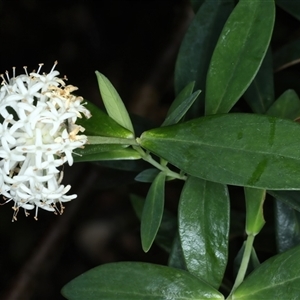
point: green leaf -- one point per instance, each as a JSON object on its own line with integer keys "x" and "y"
{"x": 287, "y": 55}
{"x": 239, "y": 53}
{"x": 137, "y": 281}
{"x": 276, "y": 278}
{"x": 179, "y": 112}
{"x": 81, "y": 155}
{"x": 147, "y": 175}
{"x": 153, "y": 211}
{"x": 197, "y": 47}
{"x": 290, "y": 6}
{"x": 239, "y": 149}
{"x": 113, "y": 103}
{"x": 167, "y": 228}
{"x": 287, "y": 224}
{"x": 204, "y": 228}
{"x": 260, "y": 93}
{"x": 286, "y": 106}
{"x": 291, "y": 198}
{"x": 255, "y": 199}
{"x": 100, "y": 124}
{"x": 185, "y": 93}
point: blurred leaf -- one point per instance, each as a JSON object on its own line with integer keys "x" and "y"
{"x": 276, "y": 278}
{"x": 287, "y": 55}
{"x": 203, "y": 228}
{"x": 291, "y": 198}
{"x": 153, "y": 211}
{"x": 287, "y": 224}
{"x": 176, "y": 258}
{"x": 147, "y": 175}
{"x": 137, "y": 281}
{"x": 179, "y": 112}
{"x": 196, "y": 4}
{"x": 113, "y": 103}
{"x": 290, "y": 6}
{"x": 260, "y": 93}
{"x": 197, "y": 47}
{"x": 238, "y": 54}
{"x": 238, "y": 149}
{"x": 255, "y": 199}
{"x": 100, "y": 124}
{"x": 286, "y": 106}
{"x": 167, "y": 228}
{"x": 88, "y": 154}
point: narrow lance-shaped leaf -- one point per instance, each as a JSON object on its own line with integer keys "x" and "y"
{"x": 204, "y": 228}
{"x": 113, "y": 103}
{"x": 197, "y": 47}
{"x": 167, "y": 228}
{"x": 238, "y": 54}
{"x": 117, "y": 154}
{"x": 138, "y": 281}
{"x": 184, "y": 93}
{"x": 254, "y": 210}
{"x": 153, "y": 211}
{"x": 179, "y": 112}
{"x": 239, "y": 149}
{"x": 276, "y": 278}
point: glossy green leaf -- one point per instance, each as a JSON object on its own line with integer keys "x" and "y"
{"x": 286, "y": 106}
{"x": 290, "y": 6}
{"x": 100, "y": 124}
{"x": 287, "y": 225}
{"x": 197, "y": 47}
{"x": 119, "y": 154}
{"x": 239, "y": 149}
{"x": 277, "y": 278}
{"x": 238, "y": 54}
{"x": 287, "y": 55}
{"x": 290, "y": 198}
{"x": 167, "y": 228}
{"x": 255, "y": 220}
{"x": 204, "y": 228}
{"x": 153, "y": 211}
{"x": 260, "y": 93}
{"x": 113, "y": 103}
{"x": 179, "y": 112}
{"x": 138, "y": 281}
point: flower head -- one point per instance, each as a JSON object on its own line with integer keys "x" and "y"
{"x": 38, "y": 134}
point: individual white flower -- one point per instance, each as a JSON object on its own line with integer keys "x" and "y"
{"x": 38, "y": 135}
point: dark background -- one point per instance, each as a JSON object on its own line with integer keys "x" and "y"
{"x": 134, "y": 43}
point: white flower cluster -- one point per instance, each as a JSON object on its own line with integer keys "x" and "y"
{"x": 37, "y": 135}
